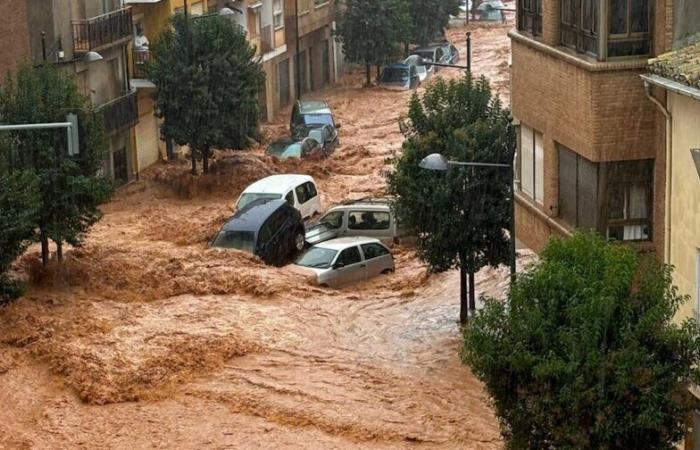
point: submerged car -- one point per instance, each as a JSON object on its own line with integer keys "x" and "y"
{"x": 308, "y": 115}
{"x": 308, "y": 148}
{"x": 421, "y": 69}
{"x": 451, "y": 52}
{"x": 298, "y": 190}
{"x": 270, "y": 229}
{"x": 342, "y": 261}
{"x": 432, "y": 53}
{"x": 399, "y": 77}
{"x": 365, "y": 217}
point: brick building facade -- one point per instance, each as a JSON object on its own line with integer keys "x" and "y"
{"x": 591, "y": 145}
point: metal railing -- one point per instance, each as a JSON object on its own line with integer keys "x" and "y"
{"x": 121, "y": 113}
{"x": 139, "y": 61}
{"x": 102, "y": 31}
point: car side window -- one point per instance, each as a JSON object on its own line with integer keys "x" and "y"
{"x": 301, "y": 194}
{"x": 289, "y": 198}
{"x": 350, "y": 256}
{"x": 372, "y": 251}
{"x": 333, "y": 220}
{"x": 368, "y": 220}
{"x": 310, "y": 190}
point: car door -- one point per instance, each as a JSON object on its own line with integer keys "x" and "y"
{"x": 272, "y": 239}
{"x": 370, "y": 223}
{"x": 349, "y": 267}
{"x": 377, "y": 258}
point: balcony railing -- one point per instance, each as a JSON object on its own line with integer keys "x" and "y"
{"x": 139, "y": 61}
{"x": 102, "y": 31}
{"x": 121, "y": 113}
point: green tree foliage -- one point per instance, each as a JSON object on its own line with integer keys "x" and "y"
{"x": 19, "y": 211}
{"x": 207, "y": 85}
{"x": 372, "y": 31}
{"x": 585, "y": 353}
{"x": 429, "y": 18}
{"x": 459, "y": 215}
{"x": 70, "y": 188}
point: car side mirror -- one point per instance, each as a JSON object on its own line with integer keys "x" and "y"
{"x": 338, "y": 265}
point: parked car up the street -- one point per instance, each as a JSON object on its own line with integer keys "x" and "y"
{"x": 310, "y": 114}
{"x": 399, "y": 77}
{"x": 308, "y": 148}
{"x": 342, "y": 261}
{"x": 271, "y": 229}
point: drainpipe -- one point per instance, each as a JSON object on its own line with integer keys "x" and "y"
{"x": 669, "y": 171}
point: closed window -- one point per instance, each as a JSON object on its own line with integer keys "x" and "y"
{"x": 277, "y": 14}
{"x": 368, "y": 220}
{"x": 372, "y": 251}
{"x": 350, "y": 256}
{"x": 578, "y": 190}
{"x": 333, "y": 220}
{"x": 532, "y": 163}
{"x": 530, "y": 16}
{"x": 306, "y": 192}
{"x": 579, "y": 25}
{"x": 629, "y": 28}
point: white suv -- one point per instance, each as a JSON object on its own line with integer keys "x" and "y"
{"x": 366, "y": 217}
{"x": 299, "y": 191}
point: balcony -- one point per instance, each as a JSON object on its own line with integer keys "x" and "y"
{"x": 139, "y": 63}
{"x": 102, "y": 31}
{"x": 121, "y": 113}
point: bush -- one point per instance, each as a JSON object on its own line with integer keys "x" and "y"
{"x": 585, "y": 353}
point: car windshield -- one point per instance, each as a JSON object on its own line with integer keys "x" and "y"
{"x": 251, "y": 197}
{"x": 394, "y": 75}
{"x": 425, "y": 55}
{"x": 240, "y": 240}
{"x": 317, "y": 257}
{"x": 318, "y": 119}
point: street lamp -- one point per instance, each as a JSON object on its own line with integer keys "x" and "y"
{"x": 436, "y": 161}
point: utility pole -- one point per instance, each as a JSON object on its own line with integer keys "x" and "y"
{"x": 297, "y": 62}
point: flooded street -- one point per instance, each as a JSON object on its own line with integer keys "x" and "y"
{"x": 147, "y": 338}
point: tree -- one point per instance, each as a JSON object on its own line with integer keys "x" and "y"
{"x": 19, "y": 211}
{"x": 70, "y": 187}
{"x": 429, "y": 18}
{"x": 372, "y": 31}
{"x": 207, "y": 85}
{"x": 585, "y": 354}
{"x": 459, "y": 216}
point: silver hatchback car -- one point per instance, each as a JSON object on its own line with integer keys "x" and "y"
{"x": 342, "y": 261}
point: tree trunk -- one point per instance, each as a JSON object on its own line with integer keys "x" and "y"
{"x": 59, "y": 250}
{"x": 44, "y": 250}
{"x": 472, "y": 293}
{"x": 378, "y": 72}
{"x": 463, "y": 305}
{"x": 194, "y": 161}
{"x": 369, "y": 77}
{"x": 205, "y": 159}
{"x": 169, "y": 150}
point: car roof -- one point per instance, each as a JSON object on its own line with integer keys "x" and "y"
{"x": 277, "y": 184}
{"x": 345, "y": 242}
{"x": 253, "y": 215}
{"x": 314, "y": 107}
{"x": 401, "y": 66}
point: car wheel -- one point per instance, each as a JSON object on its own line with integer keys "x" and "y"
{"x": 299, "y": 241}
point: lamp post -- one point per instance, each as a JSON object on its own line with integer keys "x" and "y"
{"x": 438, "y": 162}
{"x": 296, "y": 58}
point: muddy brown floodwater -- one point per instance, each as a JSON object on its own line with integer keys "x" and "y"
{"x": 146, "y": 338}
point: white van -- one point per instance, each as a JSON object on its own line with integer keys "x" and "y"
{"x": 299, "y": 191}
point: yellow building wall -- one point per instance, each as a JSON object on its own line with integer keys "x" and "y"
{"x": 685, "y": 199}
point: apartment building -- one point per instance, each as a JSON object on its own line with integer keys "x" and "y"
{"x": 89, "y": 39}
{"x": 591, "y": 145}
{"x": 319, "y": 57}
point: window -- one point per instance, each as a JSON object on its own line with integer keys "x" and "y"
{"x": 532, "y": 163}
{"x": 368, "y": 220}
{"x": 578, "y": 190}
{"x": 612, "y": 198}
{"x": 579, "y": 25}
{"x": 629, "y": 28}
{"x": 277, "y": 14}
{"x": 350, "y": 256}
{"x": 333, "y": 220}
{"x": 530, "y": 16}
{"x": 306, "y": 192}
{"x": 629, "y": 198}
{"x": 372, "y": 251}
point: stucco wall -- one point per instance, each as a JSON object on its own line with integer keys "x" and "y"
{"x": 685, "y": 197}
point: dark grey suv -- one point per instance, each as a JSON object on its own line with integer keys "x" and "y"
{"x": 270, "y": 229}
